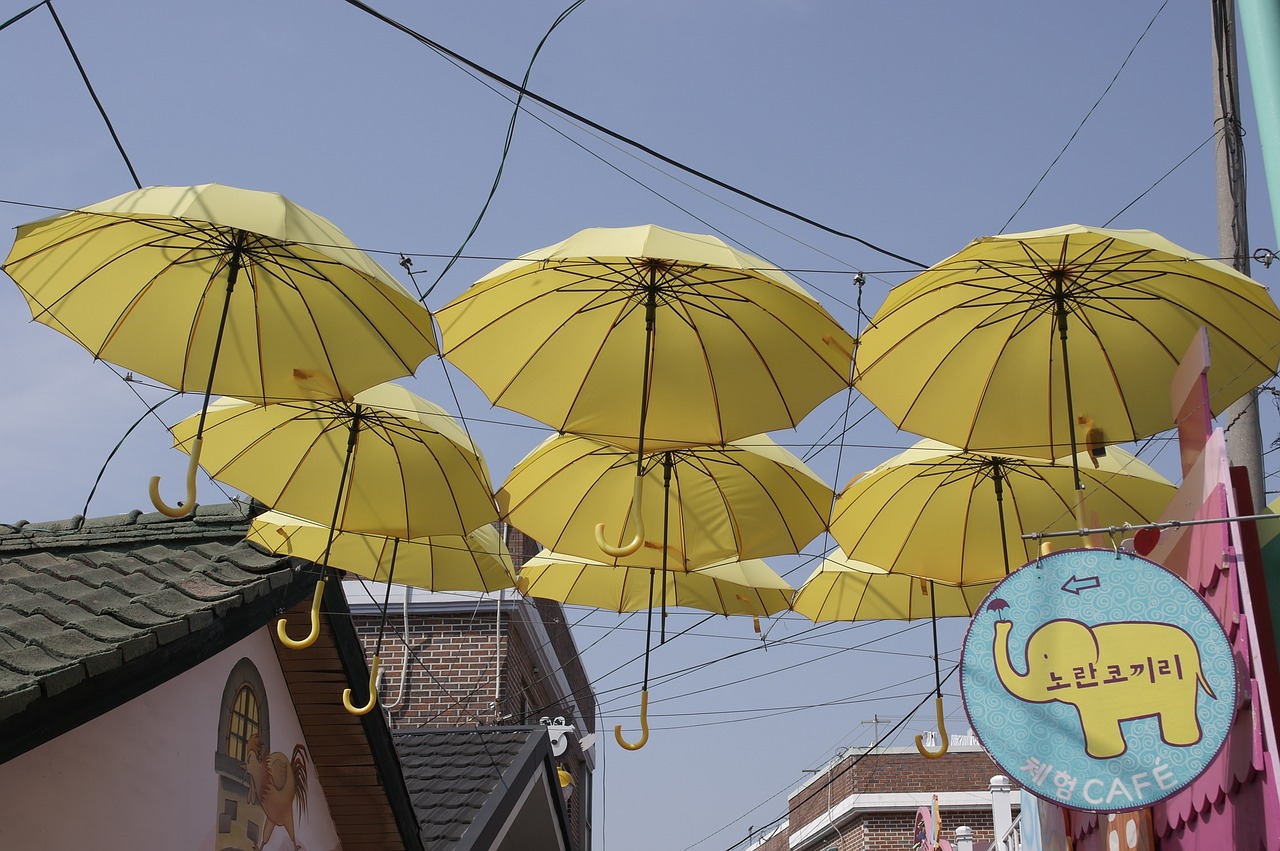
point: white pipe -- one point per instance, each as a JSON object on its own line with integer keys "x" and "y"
{"x": 1127, "y": 527}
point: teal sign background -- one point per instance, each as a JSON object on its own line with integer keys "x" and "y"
{"x": 1042, "y": 745}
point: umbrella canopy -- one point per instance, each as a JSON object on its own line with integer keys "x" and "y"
{"x": 728, "y": 588}
{"x": 387, "y": 463}
{"x": 140, "y": 280}
{"x": 749, "y": 499}
{"x": 644, "y": 336}
{"x": 147, "y": 280}
{"x": 957, "y": 517}
{"x": 1021, "y": 342}
{"x": 478, "y": 561}
{"x": 844, "y": 590}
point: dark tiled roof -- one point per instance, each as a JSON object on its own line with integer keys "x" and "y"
{"x": 94, "y": 612}
{"x": 456, "y": 778}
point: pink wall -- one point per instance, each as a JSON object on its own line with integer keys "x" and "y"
{"x": 143, "y": 775}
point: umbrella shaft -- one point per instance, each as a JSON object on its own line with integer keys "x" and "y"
{"x": 666, "y": 531}
{"x": 933, "y": 612}
{"x": 650, "y": 317}
{"x": 1066, "y": 376}
{"x": 342, "y": 486}
{"x": 386, "y": 598}
{"x": 998, "y": 477}
{"x": 233, "y": 271}
{"x": 648, "y": 631}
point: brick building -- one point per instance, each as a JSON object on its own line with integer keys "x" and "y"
{"x": 867, "y": 801}
{"x": 483, "y": 660}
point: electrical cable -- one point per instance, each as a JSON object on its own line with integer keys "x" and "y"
{"x": 93, "y": 94}
{"x": 552, "y": 105}
{"x": 790, "y": 805}
{"x": 506, "y": 146}
{"x": 1080, "y": 126}
{"x": 1161, "y": 179}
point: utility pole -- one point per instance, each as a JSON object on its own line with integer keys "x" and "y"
{"x": 1243, "y": 425}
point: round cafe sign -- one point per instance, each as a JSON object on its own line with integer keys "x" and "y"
{"x": 1098, "y": 680}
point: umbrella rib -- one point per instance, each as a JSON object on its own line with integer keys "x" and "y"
{"x": 310, "y": 267}
{"x": 905, "y": 341}
{"x": 864, "y": 490}
{"x": 145, "y": 287}
{"x": 588, "y": 364}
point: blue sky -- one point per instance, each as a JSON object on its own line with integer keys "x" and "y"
{"x": 916, "y": 126}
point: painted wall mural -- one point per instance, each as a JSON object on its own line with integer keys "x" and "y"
{"x": 171, "y": 769}
{"x": 1098, "y": 680}
{"x": 258, "y": 789}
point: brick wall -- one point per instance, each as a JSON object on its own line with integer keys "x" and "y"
{"x": 449, "y": 681}
{"x": 889, "y": 773}
{"x": 957, "y": 771}
{"x": 777, "y": 842}
{"x": 563, "y": 647}
{"x": 562, "y": 643}
{"x": 892, "y": 830}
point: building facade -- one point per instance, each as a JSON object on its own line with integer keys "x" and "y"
{"x": 453, "y": 660}
{"x": 868, "y": 801}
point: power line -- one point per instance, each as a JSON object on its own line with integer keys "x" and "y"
{"x": 568, "y": 113}
{"x": 1087, "y": 115}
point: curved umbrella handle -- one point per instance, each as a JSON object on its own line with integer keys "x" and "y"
{"x": 185, "y": 508}
{"x": 942, "y": 734}
{"x": 302, "y": 644}
{"x": 636, "y": 519}
{"x": 373, "y": 693}
{"x": 644, "y": 725}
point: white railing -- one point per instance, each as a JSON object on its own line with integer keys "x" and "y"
{"x": 1011, "y": 839}
{"x": 1006, "y": 828}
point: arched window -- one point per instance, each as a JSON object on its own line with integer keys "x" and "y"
{"x": 245, "y": 711}
{"x": 244, "y": 720}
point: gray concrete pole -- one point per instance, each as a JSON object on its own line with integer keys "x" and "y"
{"x": 1241, "y": 421}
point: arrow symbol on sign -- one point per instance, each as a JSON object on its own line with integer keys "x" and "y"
{"x": 1075, "y": 586}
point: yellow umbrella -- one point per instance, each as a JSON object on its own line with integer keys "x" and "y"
{"x": 396, "y": 464}
{"x": 478, "y": 561}
{"x": 647, "y": 337}
{"x": 956, "y": 517}
{"x": 386, "y": 463}
{"x": 221, "y": 290}
{"x": 728, "y": 588}
{"x": 715, "y": 344}
{"x": 1035, "y": 343}
{"x": 748, "y": 499}
{"x": 845, "y": 590}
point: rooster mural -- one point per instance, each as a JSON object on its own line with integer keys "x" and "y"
{"x": 276, "y": 784}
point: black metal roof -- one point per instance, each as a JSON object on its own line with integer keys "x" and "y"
{"x": 469, "y": 787}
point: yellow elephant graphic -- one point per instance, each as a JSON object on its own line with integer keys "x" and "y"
{"x": 1111, "y": 672}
